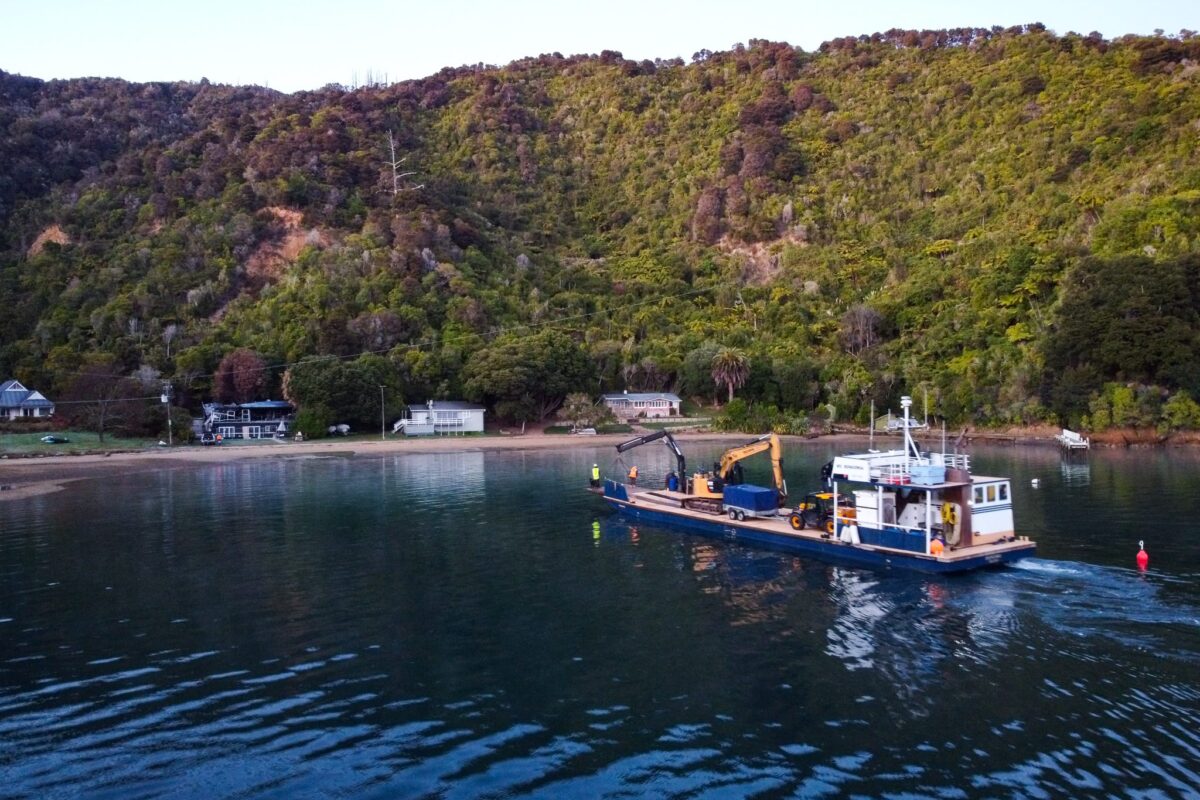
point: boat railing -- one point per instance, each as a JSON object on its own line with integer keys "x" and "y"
{"x": 895, "y": 473}
{"x": 956, "y": 461}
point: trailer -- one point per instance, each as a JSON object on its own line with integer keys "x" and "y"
{"x": 745, "y": 500}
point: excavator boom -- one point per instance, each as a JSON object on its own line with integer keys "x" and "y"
{"x": 668, "y": 440}
{"x": 768, "y": 441}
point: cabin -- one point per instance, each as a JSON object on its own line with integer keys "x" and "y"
{"x": 632, "y": 405}
{"x": 262, "y": 419}
{"x": 18, "y": 402}
{"x": 441, "y": 417}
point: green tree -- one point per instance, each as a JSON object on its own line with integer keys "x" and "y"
{"x": 582, "y": 412}
{"x": 696, "y": 375}
{"x": 730, "y": 368}
{"x": 527, "y": 377}
{"x": 334, "y": 390}
{"x": 1181, "y": 412}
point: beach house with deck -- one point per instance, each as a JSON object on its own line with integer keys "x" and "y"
{"x": 262, "y": 419}
{"x": 441, "y": 417}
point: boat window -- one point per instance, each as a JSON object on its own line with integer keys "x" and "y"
{"x": 991, "y": 493}
{"x": 1004, "y": 492}
{"x": 978, "y": 494}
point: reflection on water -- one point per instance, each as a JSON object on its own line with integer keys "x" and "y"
{"x": 460, "y": 475}
{"x": 1076, "y": 470}
{"x": 476, "y": 625}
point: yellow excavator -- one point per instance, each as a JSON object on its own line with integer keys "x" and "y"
{"x": 708, "y": 488}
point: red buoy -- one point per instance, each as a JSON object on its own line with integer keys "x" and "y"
{"x": 1143, "y": 558}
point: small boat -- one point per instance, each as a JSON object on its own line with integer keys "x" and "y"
{"x": 901, "y": 508}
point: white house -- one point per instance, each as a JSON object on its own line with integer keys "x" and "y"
{"x": 441, "y": 416}
{"x": 631, "y": 405}
{"x": 16, "y": 402}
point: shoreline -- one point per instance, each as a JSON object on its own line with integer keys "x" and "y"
{"x": 23, "y": 477}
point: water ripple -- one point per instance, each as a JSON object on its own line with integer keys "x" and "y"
{"x": 474, "y": 626}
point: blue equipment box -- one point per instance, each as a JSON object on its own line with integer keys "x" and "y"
{"x": 751, "y": 498}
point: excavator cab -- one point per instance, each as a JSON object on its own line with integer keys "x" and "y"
{"x": 816, "y": 511}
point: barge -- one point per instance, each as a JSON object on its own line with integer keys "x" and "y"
{"x": 901, "y": 508}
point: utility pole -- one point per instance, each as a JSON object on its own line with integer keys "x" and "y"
{"x": 382, "y": 417}
{"x": 166, "y": 400}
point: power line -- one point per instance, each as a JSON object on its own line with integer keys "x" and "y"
{"x": 105, "y": 400}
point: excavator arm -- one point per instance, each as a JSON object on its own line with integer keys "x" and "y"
{"x": 668, "y": 440}
{"x": 768, "y": 441}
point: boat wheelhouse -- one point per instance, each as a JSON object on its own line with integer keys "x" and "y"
{"x": 921, "y": 502}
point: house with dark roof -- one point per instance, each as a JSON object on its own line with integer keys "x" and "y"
{"x": 17, "y": 402}
{"x": 631, "y": 405}
{"x": 441, "y": 416}
{"x": 262, "y": 419}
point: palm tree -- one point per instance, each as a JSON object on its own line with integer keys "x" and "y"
{"x": 730, "y": 368}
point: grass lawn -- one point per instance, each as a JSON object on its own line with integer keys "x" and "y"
{"x": 80, "y": 441}
{"x": 675, "y": 422}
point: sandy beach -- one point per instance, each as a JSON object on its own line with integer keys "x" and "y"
{"x": 25, "y": 477}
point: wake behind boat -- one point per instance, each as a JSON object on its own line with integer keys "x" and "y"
{"x": 902, "y": 508}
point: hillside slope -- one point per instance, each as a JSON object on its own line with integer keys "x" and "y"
{"x": 1009, "y": 219}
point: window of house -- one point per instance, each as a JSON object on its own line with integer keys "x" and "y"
{"x": 978, "y": 495}
{"x": 1004, "y": 492}
{"x": 991, "y": 493}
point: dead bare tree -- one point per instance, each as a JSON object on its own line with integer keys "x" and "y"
{"x": 101, "y": 398}
{"x": 398, "y": 176}
{"x": 168, "y": 335}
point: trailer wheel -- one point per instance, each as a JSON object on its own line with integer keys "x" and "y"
{"x": 796, "y": 521}
{"x": 741, "y": 515}
{"x": 732, "y": 513}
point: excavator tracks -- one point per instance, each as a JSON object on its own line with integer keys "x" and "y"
{"x": 709, "y": 504}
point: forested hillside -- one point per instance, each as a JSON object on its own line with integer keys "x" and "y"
{"x": 1007, "y": 219}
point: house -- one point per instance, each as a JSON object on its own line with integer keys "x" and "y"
{"x": 263, "y": 419}
{"x": 441, "y": 416}
{"x": 17, "y": 402}
{"x": 631, "y": 405}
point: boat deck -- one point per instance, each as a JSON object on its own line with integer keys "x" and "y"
{"x": 672, "y": 503}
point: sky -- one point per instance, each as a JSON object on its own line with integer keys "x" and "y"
{"x": 305, "y": 44}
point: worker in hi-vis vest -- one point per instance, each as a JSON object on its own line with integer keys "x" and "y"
{"x": 595, "y": 474}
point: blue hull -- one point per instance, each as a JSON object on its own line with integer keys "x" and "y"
{"x": 825, "y": 549}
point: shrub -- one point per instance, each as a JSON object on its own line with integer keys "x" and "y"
{"x": 313, "y": 421}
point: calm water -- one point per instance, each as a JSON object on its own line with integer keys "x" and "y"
{"x": 475, "y": 625}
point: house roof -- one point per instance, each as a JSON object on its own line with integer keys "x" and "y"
{"x": 448, "y": 405}
{"x": 631, "y": 396}
{"x": 278, "y": 405}
{"x": 14, "y": 395}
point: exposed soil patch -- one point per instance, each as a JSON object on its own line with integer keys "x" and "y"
{"x": 54, "y": 234}
{"x": 268, "y": 263}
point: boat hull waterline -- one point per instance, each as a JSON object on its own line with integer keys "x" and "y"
{"x": 775, "y": 533}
